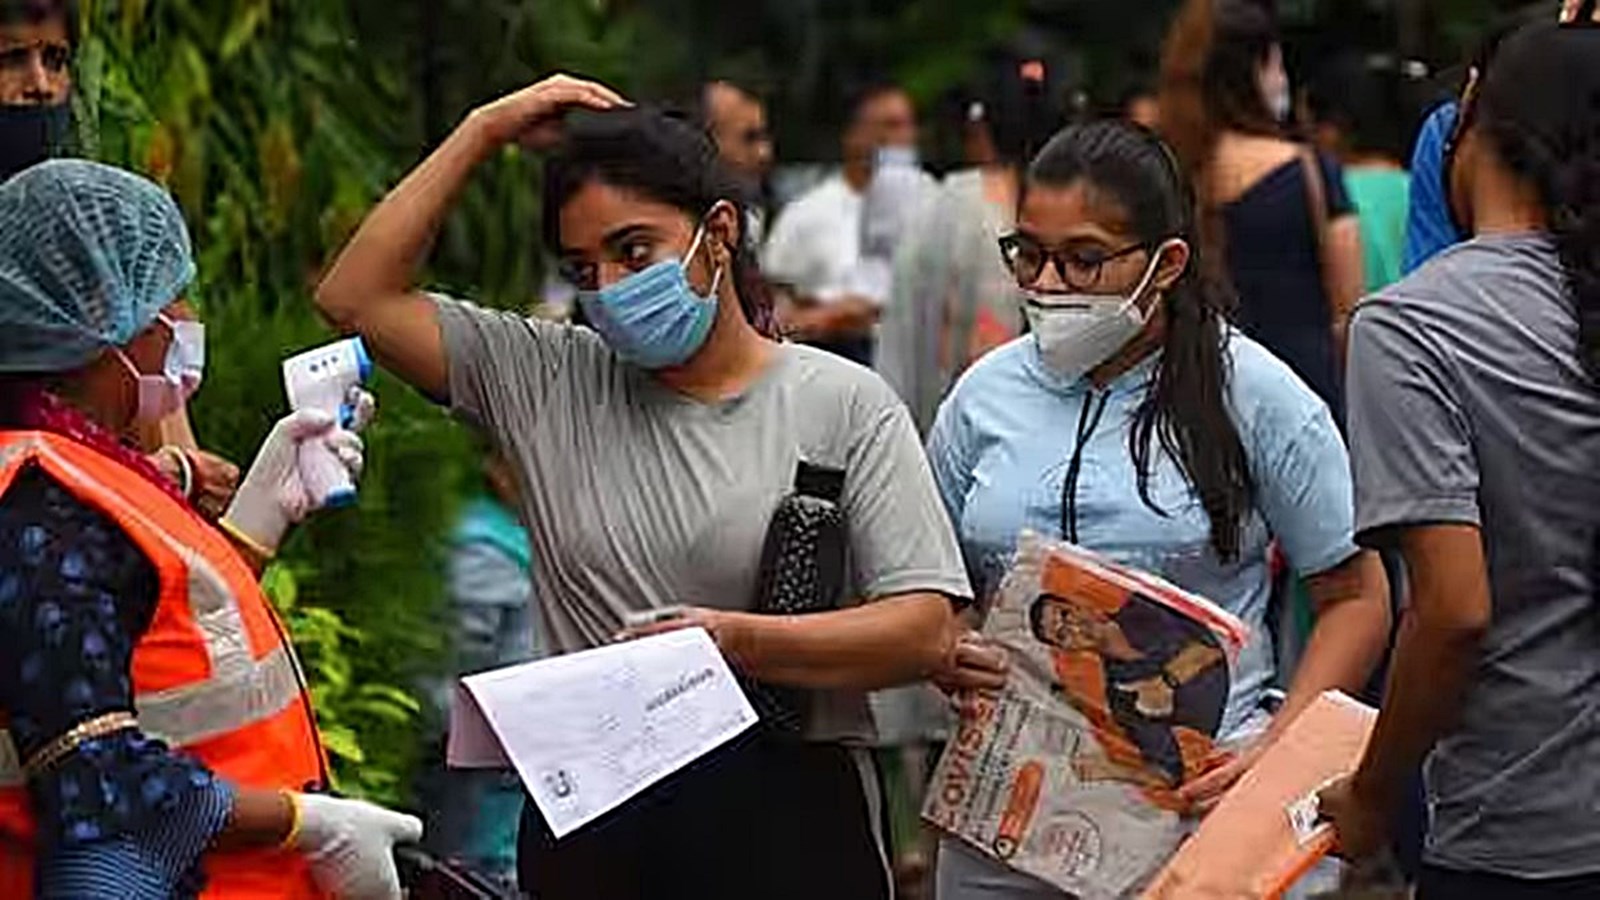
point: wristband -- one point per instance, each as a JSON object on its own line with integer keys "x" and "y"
{"x": 185, "y": 467}
{"x": 249, "y": 543}
{"x": 295, "y": 816}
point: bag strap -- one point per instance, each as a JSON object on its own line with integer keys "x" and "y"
{"x": 1317, "y": 201}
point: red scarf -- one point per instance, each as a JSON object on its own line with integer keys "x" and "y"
{"x": 44, "y": 411}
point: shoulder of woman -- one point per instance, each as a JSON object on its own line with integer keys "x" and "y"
{"x": 996, "y": 369}
{"x": 1265, "y": 392}
{"x": 38, "y": 512}
{"x": 1244, "y": 160}
{"x": 820, "y": 373}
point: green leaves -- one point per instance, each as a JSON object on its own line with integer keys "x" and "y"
{"x": 248, "y": 16}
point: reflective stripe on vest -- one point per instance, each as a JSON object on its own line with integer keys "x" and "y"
{"x": 189, "y": 715}
{"x": 240, "y": 690}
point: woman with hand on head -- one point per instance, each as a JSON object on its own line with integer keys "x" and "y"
{"x": 650, "y": 455}
{"x": 155, "y": 740}
{"x": 1135, "y": 422}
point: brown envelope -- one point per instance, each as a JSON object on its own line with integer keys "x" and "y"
{"x": 1248, "y": 847}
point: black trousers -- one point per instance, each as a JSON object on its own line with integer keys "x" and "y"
{"x": 1447, "y": 884}
{"x": 762, "y": 818}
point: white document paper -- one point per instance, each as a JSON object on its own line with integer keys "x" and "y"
{"x": 588, "y": 731}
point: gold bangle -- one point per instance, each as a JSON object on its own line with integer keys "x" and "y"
{"x": 294, "y": 821}
{"x": 74, "y": 737}
{"x": 185, "y": 468}
{"x": 249, "y": 543}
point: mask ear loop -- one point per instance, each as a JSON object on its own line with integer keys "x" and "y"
{"x": 1149, "y": 277}
{"x": 128, "y": 364}
{"x": 694, "y": 247}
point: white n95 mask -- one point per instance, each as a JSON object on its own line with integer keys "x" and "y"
{"x": 1076, "y": 332}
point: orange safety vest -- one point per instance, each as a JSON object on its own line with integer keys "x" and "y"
{"x": 213, "y": 675}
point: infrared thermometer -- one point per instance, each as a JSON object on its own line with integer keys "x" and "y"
{"x": 322, "y": 379}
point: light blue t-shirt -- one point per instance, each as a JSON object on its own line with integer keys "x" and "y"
{"x": 1004, "y": 438}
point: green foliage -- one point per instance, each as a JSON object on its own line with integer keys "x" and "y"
{"x": 353, "y": 715}
{"x": 260, "y": 115}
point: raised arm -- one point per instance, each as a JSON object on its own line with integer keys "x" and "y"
{"x": 371, "y": 288}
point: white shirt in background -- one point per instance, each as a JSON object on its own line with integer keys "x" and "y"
{"x": 815, "y": 244}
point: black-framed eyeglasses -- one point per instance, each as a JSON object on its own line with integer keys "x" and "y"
{"x": 1079, "y": 268}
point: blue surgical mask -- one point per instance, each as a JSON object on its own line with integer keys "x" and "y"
{"x": 653, "y": 319}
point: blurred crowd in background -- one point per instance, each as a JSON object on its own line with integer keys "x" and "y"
{"x": 880, "y": 199}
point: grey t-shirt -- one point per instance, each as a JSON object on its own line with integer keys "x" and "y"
{"x": 637, "y": 497}
{"x": 1468, "y": 404}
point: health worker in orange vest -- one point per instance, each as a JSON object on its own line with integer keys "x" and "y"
{"x": 156, "y": 737}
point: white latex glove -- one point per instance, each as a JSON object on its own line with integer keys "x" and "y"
{"x": 272, "y": 496}
{"x": 350, "y": 845}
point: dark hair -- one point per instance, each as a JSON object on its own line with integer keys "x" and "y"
{"x": 1209, "y": 67}
{"x": 1044, "y": 601}
{"x": 1036, "y": 616}
{"x": 1185, "y": 408}
{"x": 1362, "y": 98}
{"x": 1539, "y": 106}
{"x": 698, "y": 108}
{"x": 667, "y": 160}
{"x": 864, "y": 94}
{"x": 1021, "y": 113}
{"x": 35, "y": 11}
{"x": 1132, "y": 89}
{"x": 1500, "y": 29}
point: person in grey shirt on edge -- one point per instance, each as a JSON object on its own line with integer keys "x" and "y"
{"x": 1474, "y": 392}
{"x": 651, "y": 454}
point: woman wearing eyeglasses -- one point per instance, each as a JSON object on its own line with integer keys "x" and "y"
{"x": 1136, "y": 422}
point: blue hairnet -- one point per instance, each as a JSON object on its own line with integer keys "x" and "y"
{"x": 89, "y": 254}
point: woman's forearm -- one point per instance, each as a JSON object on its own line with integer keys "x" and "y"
{"x": 259, "y": 819}
{"x": 1439, "y": 645}
{"x": 1431, "y": 671}
{"x": 1348, "y": 640}
{"x": 383, "y": 258}
{"x": 892, "y": 641}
